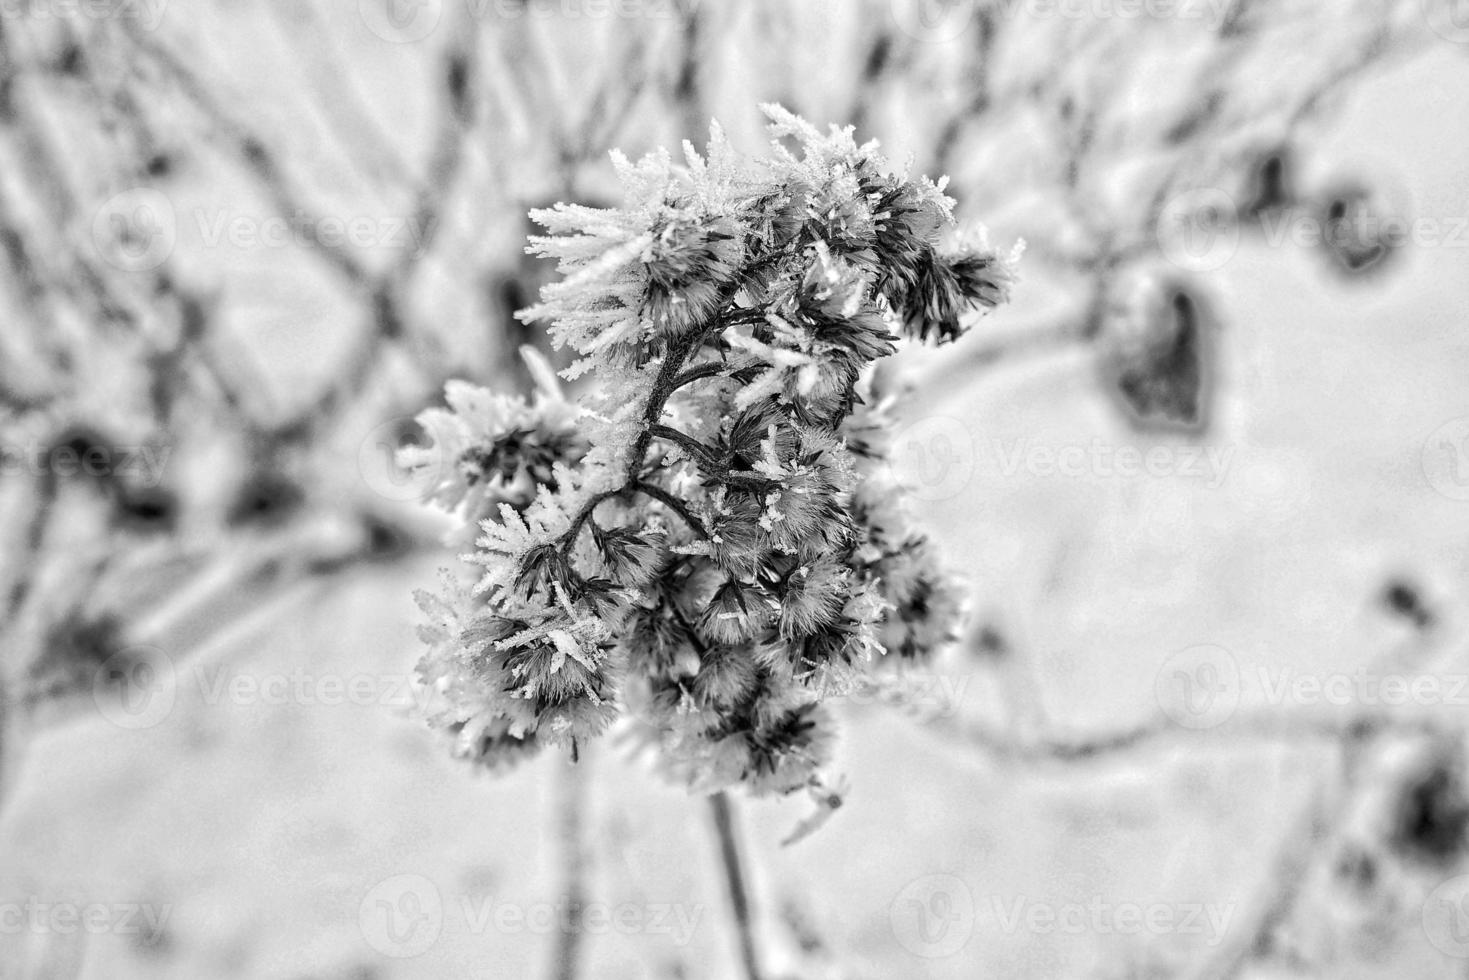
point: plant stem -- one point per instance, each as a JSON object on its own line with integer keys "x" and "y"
{"x": 739, "y": 900}
{"x": 701, "y": 453}
{"x": 6, "y": 749}
{"x": 571, "y": 804}
{"x": 706, "y": 370}
{"x": 675, "y": 505}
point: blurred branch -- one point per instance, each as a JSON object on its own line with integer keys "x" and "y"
{"x": 1160, "y": 730}
{"x": 722, "y": 813}
{"x": 346, "y": 111}
{"x": 248, "y": 147}
{"x": 573, "y": 782}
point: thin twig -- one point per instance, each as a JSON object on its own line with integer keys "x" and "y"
{"x": 572, "y": 781}
{"x": 1262, "y": 725}
{"x": 734, "y": 877}
{"x": 701, "y": 453}
{"x": 675, "y": 505}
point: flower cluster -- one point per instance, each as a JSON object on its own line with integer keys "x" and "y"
{"x": 713, "y": 536}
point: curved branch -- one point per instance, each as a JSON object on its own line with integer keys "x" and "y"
{"x": 673, "y": 504}
{"x": 702, "y": 453}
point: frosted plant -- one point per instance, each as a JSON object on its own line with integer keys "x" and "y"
{"x": 712, "y": 540}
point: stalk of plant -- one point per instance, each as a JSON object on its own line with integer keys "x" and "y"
{"x": 712, "y": 540}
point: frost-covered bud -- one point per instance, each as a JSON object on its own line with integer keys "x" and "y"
{"x": 630, "y": 557}
{"x": 780, "y": 214}
{"x": 842, "y": 214}
{"x": 947, "y": 288}
{"x": 544, "y": 569}
{"x": 811, "y": 597}
{"x": 654, "y": 638}
{"x": 689, "y": 263}
{"x": 737, "y": 542}
{"x": 559, "y": 670}
{"x": 788, "y": 748}
{"x": 926, "y": 603}
{"x": 727, "y": 675}
{"x": 736, "y": 613}
{"x": 487, "y": 449}
{"x": 909, "y": 217}
{"x": 803, "y": 516}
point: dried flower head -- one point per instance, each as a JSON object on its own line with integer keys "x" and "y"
{"x": 711, "y": 536}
